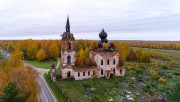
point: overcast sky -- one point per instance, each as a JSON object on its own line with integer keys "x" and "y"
{"x": 121, "y": 19}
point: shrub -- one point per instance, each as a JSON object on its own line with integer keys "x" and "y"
{"x": 153, "y": 73}
{"x": 164, "y": 66}
{"x": 131, "y": 56}
{"x": 162, "y": 80}
{"x": 97, "y": 98}
{"x": 155, "y": 64}
{"x": 131, "y": 67}
{"x": 139, "y": 71}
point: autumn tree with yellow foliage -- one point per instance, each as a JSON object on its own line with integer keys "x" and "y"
{"x": 54, "y": 51}
{"x": 82, "y": 57}
{"x": 32, "y": 50}
{"x": 15, "y": 60}
{"x": 41, "y": 55}
{"x": 12, "y": 70}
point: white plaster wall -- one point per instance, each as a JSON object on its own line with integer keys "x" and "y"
{"x": 76, "y": 77}
{"x": 65, "y": 72}
{"x": 118, "y": 72}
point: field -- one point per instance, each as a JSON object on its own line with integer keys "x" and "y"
{"x": 40, "y": 64}
{"x": 142, "y": 81}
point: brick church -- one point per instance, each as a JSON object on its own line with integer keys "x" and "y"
{"x": 107, "y": 62}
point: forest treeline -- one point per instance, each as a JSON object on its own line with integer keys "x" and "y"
{"x": 50, "y": 49}
{"x": 156, "y": 44}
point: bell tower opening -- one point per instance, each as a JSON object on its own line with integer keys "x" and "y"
{"x": 69, "y": 45}
{"x": 68, "y": 59}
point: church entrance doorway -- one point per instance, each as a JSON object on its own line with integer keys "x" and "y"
{"x": 69, "y": 74}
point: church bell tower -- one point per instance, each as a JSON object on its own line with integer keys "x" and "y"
{"x": 68, "y": 47}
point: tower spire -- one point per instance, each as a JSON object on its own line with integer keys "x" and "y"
{"x": 67, "y": 25}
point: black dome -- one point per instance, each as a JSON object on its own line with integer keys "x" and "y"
{"x": 103, "y": 34}
{"x": 106, "y": 41}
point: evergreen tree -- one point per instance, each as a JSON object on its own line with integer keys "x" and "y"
{"x": 12, "y": 94}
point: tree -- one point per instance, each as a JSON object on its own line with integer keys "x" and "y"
{"x": 86, "y": 54}
{"x": 53, "y": 51}
{"x": 131, "y": 56}
{"x": 142, "y": 56}
{"x": 94, "y": 45}
{"x": 139, "y": 54}
{"x": 146, "y": 58}
{"x": 45, "y": 44}
{"x": 32, "y": 50}
{"x": 12, "y": 94}
{"x": 16, "y": 59}
{"x": 41, "y": 55}
{"x": 81, "y": 57}
{"x": 105, "y": 46}
{"x": 26, "y": 79}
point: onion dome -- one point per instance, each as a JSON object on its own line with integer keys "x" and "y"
{"x": 106, "y": 41}
{"x": 103, "y": 34}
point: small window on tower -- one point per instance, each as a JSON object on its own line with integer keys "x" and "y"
{"x": 108, "y": 62}
{"x": 101, "y": 62}
{"x": 114, "y": 61}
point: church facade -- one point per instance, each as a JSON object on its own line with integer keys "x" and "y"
{"x": 107, "y": 62}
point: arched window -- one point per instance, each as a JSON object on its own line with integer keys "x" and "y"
{"x": 114, "y": 70}
{"x": 78, "y": 74}
{"x": 68, "y": 59}
{"x": 114, "y": 61}
{"x": 120, "y": 71}
{"x": 83, "y": 73}
{"x": 108, "y": 62}
{"x": 89, "y": 73}
{"x": 101, "y": 72}
{"x": 69, "y": 45}
{"x": 101, "y": 62}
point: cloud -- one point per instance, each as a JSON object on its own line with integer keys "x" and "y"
{"x": 28, "y": 18}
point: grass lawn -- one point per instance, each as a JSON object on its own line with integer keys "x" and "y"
{"x": 55, "y": 89}
{"x": 41, "y": 64}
